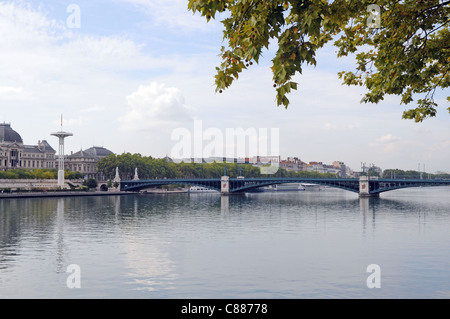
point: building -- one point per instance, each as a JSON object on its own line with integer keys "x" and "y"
{"x": 293, "y": 164}
{"x": 85, "y": 162}
{"x": 14, "y": 154}
{"x": 315, "y": 167}
{"x": 322, "y": 168}
{"x": 341, "y": 167}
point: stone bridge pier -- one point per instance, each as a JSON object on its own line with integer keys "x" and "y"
{"x": 225, "y": 185}
{"x": 364, "y": 187}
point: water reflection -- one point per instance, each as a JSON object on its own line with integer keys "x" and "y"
{"x": 225, "y": 204}
{"x": 60, "y": 235}
{"x": 207, "y": 245}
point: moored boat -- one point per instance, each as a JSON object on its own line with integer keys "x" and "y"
{"x": 287, "y": 187}
{"x": 312, "y": 187}
{"x": 200, "y": 189}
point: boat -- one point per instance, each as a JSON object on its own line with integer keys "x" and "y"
{"x": 200, "y": 189}
{"x": 312, "y": 187}
{"x": 287, "y": 187}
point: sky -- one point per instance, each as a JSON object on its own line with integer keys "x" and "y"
{"x": 128, "y": 74}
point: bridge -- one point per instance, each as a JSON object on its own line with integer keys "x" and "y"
{"x": 364, "y": 186}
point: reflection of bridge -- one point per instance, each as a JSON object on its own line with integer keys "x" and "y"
{"x": 364, "y": 186}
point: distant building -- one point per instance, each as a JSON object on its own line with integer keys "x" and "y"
{"x": 341, "y": 167}
{"x": 85, "y": 162}
{"x": 315, "y": 167}
{"x": 293, "y": 164}
{"x": 14, "y": 154}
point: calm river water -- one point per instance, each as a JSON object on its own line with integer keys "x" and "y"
{"x": 267, "y": 245}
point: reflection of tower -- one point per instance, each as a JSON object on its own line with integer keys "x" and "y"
{"x": 61, "y": 135}
{"x": 60, "y": 233}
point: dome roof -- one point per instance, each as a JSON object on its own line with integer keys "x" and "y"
{"x": 7, "y": 134}
{"x": 93, "y": 152}
{"x": 99, "y": 151}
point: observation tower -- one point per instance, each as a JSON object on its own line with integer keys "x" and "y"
{"x": 61, "y": 135}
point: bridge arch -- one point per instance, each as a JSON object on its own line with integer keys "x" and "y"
{"x": 386, "y": 185}
{"x": 240, "y": 185}
{"x": 135, "y": 186}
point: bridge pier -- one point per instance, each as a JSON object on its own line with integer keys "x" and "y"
{"x": 364, "y": 187}
{"x": 225, "y": 185}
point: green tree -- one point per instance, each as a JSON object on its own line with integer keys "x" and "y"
{"x": 401, "y": 47}
{"x": 90, "y": 183}
{"x": 73, "y": 175}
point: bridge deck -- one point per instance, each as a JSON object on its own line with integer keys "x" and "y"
{"x": 376, "y": 186}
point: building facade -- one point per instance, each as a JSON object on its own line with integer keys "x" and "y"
{"x": 293, "y": 164}
{"x": 341, "y": 167}
{"x": 15, "y": 154}
{"x": 85, "y": 162}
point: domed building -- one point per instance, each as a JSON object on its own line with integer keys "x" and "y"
{"x": 85, "y": 162}
{"x": 14, "y": 154}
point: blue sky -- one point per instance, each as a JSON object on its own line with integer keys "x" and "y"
{"x": 136, "y": 70}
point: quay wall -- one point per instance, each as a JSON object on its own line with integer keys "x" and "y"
{"x": 28, "y": 184}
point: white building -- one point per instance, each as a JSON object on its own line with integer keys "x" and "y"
{"x": 15, "y": 154}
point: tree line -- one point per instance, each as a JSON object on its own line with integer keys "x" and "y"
{"x": 411, "y": 174}
{"x": 22, "y": 173}
{"x": 155, "y": 168}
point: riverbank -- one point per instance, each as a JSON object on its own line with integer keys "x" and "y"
{"x": 61, "y": 194}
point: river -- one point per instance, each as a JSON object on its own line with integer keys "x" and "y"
{"x": 293, "y": 245}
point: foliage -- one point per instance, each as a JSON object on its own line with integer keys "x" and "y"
{"x": 21, "y": 173}
{"x": 90, "y": 183}
{"x": 410, "y": 174}
{"x": 403, "y": 50}
{"x": 73, "y": 175}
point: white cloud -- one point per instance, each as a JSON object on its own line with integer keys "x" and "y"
{"x": 172, "y": 14}
{"x": 155, "y": 106}
{"x": 93, "y": 109}
{"x": 10, "y": 89}
{"x": 341, "y": 127}
{"x": 11, "y": 92}
{"x": 79, "y": 121}
{"x": 440, "y": 146}
{"x": 43, "y": 52}
{"x": 388, "y": 143}
{"x": 389, "y": 138}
